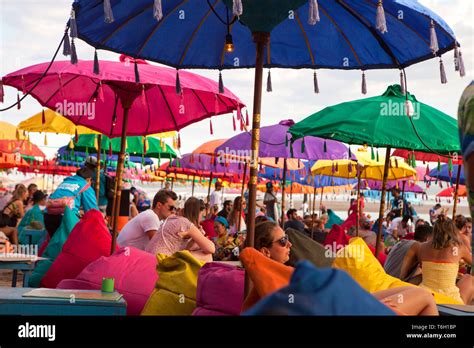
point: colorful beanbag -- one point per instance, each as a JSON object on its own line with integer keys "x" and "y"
{"x": 220, "y": 290}
{"x": 266, "y": 275}
{"x": 89, "y": 240}
{"x": 314, "y": 291}
{"x": 53, "y": 247}
{"x": 134, "y": 273}
{"x": 175, "y": 290}
{"x": 336, "y": 238}
{"x": 304, "y": 248}
{"x": 357, "y": 260}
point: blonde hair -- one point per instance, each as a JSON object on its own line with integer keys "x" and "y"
{"x": 445, "y": 233}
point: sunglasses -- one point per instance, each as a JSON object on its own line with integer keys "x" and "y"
{"x": 171, "y": 207}
{"x": 283, "y": 241}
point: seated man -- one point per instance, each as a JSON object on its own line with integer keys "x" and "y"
{"x": 293, "y": 221}
{"x": 401, "y": 260}
{"x": 365, "y": 232}
{"x": 138, "y": 231}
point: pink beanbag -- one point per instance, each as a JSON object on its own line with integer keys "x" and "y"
{"x": 220, "y": 290}
{"x": 134, "y": 272}
{"x": 89, "y": 240}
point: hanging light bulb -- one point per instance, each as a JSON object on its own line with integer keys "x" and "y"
{"x": 229, "y": 44}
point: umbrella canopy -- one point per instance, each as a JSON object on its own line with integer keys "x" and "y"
{"x": 421, "y": 156}
{"x": 9, "y": 131}
{"x": 8, "y": 160}
{"x": 377, "y": 185}
{"x": 274, "y": 142}
{"x": 134, "y": 146}
{"x": 65, "y": 153}
{"x": 346, "y": 32}
{"x": 381, "y": 121}
{"x": 23, "y": 147}
{"x": 80, "y": 95}
{"x": 48, "y": 121}
{"x": 450, "y": 192}
{"x": 447, "y": 174}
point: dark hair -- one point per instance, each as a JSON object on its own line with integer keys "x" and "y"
{"x": 260, "y": 219}
{"x": 445, "y": 233}
{"x": 460, "y": 221}
{"x": 162, "y": 197}
{"x": 85, "y": 173}
{"x": 192, "y": 208}
{"x": 422, "y": 232}
{"x": 32, "y": 186}
{"x": 290, "y": 212}
{"x": 234, "y": 214}
{"x": 264, "y": 234}
{"x": 227, "y": 202}
{"x": 394, "y": 189}
{"x": 38, "y": 196}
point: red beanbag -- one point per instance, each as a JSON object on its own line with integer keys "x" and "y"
{"x": 89, "y": 240}
{"x": 133, "y": 270}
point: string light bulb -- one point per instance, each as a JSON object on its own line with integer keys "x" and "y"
{"x": 229, "y": 44}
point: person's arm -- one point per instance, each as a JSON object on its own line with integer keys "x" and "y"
{"x": 89, "y": 200}
{"x": 21, "y": 209}
{"x": 205, "y": 245}
{"x": 409, "y": 261}
{"x": 466, "y": 254}
{"x": 151, "y": 233}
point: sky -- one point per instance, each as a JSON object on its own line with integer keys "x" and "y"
{"x": 30, "y": 31}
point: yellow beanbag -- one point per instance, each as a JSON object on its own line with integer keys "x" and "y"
{"x": 175, "y": 291}
{"x": 357, "y": 260}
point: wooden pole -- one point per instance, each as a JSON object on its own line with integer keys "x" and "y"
{"x": 261, "y": 39}
{"x": 283, "y": 193}
{"x": 242, "y": 195}
{"x": 209, "y": 189}
{"x": 456, "y": 191}
{"x": 97, "y": 174}
{"x": 382, "y": 199}
{"x": 118, "y": 176}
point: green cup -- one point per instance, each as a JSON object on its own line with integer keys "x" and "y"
{"x": 108, "y": 284}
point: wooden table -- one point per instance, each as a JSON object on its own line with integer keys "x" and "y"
{"x": 25, "y": 266}
{"x": 13, "y": 303}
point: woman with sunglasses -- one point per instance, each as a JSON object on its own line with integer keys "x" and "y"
{"x": 272, "y": 242}
{"x": 183, "y": 233}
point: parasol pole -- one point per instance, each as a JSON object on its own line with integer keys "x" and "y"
{"x": 118, "y": 176}
{"x": 313, "y": 208}
{"x": 242, "y": 195}
{"x": 283, "y": 193}
{"x": 456, "y": 191}
{"x": 192, "y": 189}
{"x": 261, "y": 39}
{"x": 97, "y": 174}
{"x": 358, "y": 201}
{"x": 209, "y": 189}
{"x": 382, "y": 199}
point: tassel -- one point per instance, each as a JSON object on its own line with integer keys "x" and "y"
{"x": 73, "y": 25}
{"x": 269, "y": 82}
{"x": 439, "y": 165}
{"x": 178, "y": 83}
{"x": 291, "y": 150}
{"x": 71, "y": 144}
{"x": 137, "y": 75}
{"x": 372, "y": 154}
{"x": 396, "y": 163}
{"x": 179, "y": 141}
{"x": 96, "y": 142}
{"x": 380, "y": 21}
{"x": 462, "y": 69}
{"x": 349, "y": 167}
{"x": 442, "y": 72}
{"x": 108, "y": 14}
{"x": 402, "y": 83}
{"x": 45, "y": 140}
{"x": 325, "y": 149}
{"x": 241, "y": 125}
{"x": 456, "y": 58}
{"x": 96, "y": 63}
{"x": 337, "y": 167}
{"x": 286, "y": 140}
{"x": 157, "y": 10}
{"x": 210, "y": 127}
{"x": 110, "y": 148}
{"x": 143, "y": 95}
{"x": 144, "y": 145}
{"x": 302, "y": 145}
{"x": 87, "y": 151}
{"x": 17, "y": 134}
{"x": 76, "y": 136}
{"x": 433, "y": 39}
{"x": 237, "y": 8}
{"x": 364, "y": 84}
{"x": 350, "y": 152}
{"x": 221, "y": 84}
{"x": 233, "y": 123}
{"x": 427, "y": 172}
{"x": 2, "y": 92}
{"x": 377, "y": 153}
{"x": 315, "y": 82}
{"x": 18, "y": 101}
{"x": 450, "y": 164}
{"x": 43, "y": 117}
{"x": 73, "y": 53}
{"x": 247, "y": 123}
{"x": 66, "y": 45}
{"x": 313, "y": 16}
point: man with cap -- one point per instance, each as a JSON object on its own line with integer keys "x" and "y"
{"x": 216, "y": 196}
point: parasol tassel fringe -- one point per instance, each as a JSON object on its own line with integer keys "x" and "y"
{"x": 66, "y": 45}
{"x": 43, "y": 117}
{"x": 233, "y": 123}
{"x": 221, "y": 84}
{"x": 380, "y": 21}
{"x": 76, "y": 136}
{"x": 237, "y": 8}
{"x": 364, "y": 84}
{"x": 241, "y": 125}
{"x": 2, "y": 92}
{"x": 313, "y": 16}
{"x": 442, "y": 72}
{"x": 247, "y": 122}
{"x": 45, "y": 140}
{"x": 73, "y": 25}
{"x": 315, "y": 82}
{"x": 210, "y": 127}
{"x": 18, "y": 101}
{"x": 108, "y": 14}
{"x": 302, "y": 146}
{"x": 157, "y": 10}
{"x": 96, "y": 63}
{"x": 433, "y": 38}
{"x": 456, "y": 58}
{"x": 269, "y": 82}
{"x": 73, "y": 53}
{"x": 402, "y": 83}
{"x": 325, "y": 148}
{"x": 178, "y": 83}
{"x": 137, "y": 75}
{"x": 462, "y": 69}
{"x": 143, "y": 95}
{"x": 350, "y": 152}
